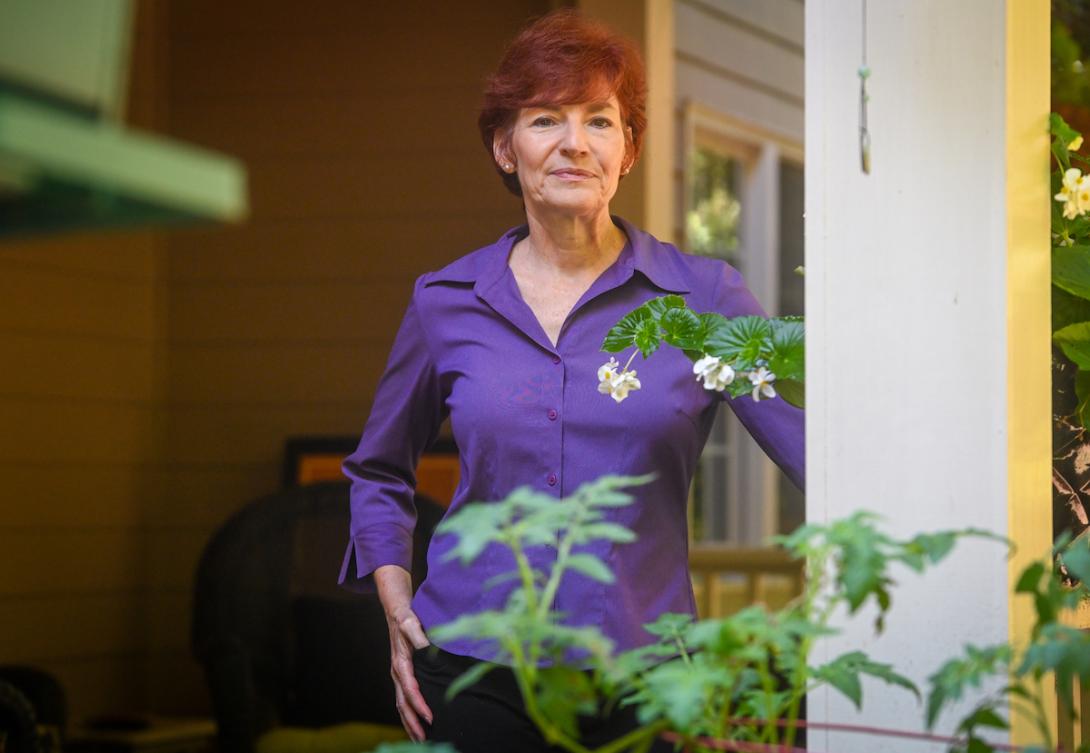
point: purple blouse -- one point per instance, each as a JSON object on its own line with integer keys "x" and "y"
{"x": 525, "y": 412}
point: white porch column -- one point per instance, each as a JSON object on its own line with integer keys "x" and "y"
{"x": 927, "y": 289}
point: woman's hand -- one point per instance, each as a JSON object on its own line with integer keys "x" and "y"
{"x": 395, "y": 592}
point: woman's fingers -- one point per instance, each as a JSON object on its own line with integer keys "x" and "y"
{"x": 406, "y": 634}
{"x": 409, "y": 719}
{"x": 405, "y": 677}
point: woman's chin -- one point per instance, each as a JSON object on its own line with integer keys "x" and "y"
{"x": 575, "y": 204}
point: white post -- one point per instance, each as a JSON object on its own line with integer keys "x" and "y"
{"x": 911, "y": 343}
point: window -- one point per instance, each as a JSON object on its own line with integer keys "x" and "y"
{"x": 742, "y": 202}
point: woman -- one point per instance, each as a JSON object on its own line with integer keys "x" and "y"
{"x": 506, "y": 341}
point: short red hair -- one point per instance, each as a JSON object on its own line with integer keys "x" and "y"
{"x": 564, "y": 58}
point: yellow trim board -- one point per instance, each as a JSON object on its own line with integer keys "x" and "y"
{"x": 1029, "y": 301}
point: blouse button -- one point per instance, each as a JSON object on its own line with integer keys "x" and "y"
{"x": 552, "y": 479}
{"x": 556, "y": 359}
{"x": 552, "y": 414}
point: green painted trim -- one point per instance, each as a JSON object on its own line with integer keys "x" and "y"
{"x": 45, "y": 146}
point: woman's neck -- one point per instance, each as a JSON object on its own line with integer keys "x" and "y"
{"x": 573, "y": 245}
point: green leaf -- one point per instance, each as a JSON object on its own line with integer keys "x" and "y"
{"x": 623, "y": 333}
{"x": 411, "y": 747}
{"x": 562, "y": 694}
{"x": 476, "y": 525}
{"x": 1030, "y": 577}
{"x": 788, "y": 357}
{"x": 742, "y": 340}
{"x": 713, "y": 323}
{"x": 647, "y": 337}
{"x": 1059, "y": 128}
{"x": 843, "y": 678}
{"x": 669, "y": 624}
{"x": 983, "y": 717}
{"x": 792, "y": 391}
{"x": 1071, "y": 269}
{"x": 960, "y": 674}
{"x": 1074, "y": 339}
{"x": 1068, "y": 309}
{"x": 590, "y": 566}
{"x": 932, "y": 547}
{"x": 468, "y": 678}
{"x": 659, "y": 306}
{"x": 605, "y": 532}
{"x": 682, "y": 329}
{"x": 1076, "y": 558}
{"x": 1082, "y": 394}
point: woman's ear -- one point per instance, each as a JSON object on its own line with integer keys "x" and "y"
{"x": 629, "y": 160}
{"x": 501, "y": 151}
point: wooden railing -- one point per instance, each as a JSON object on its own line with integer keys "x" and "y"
{"x": 728, "y": 578}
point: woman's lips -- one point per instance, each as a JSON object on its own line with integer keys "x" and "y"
{"x": 572, "y": 174}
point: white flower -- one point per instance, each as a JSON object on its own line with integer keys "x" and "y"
{"x": 716, "y": 374}
{"x": 623, "y": 383}
{"x": 606, "y": 372}
{"x": 762, "y": 380}
{"x": 616, "y": 384}
{"x": 1075, "y": 193}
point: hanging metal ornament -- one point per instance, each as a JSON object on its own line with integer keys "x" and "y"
{"x": 864, "y": 74}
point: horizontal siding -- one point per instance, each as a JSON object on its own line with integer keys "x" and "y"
{"x": 117, "y": 256}
{"x": 105, "y": 682}
{"x": 79, "y": 431}
{"x": 70, "y": 561}
{"x": 204, "y": 495}
{"x": 215, "y": 313}
{"x": 739, "y": 53}
{"x": 445, "y": 182}
{"x": 780, "y": 21}
{"x": 272, "y": 375}
{"x": 743, "y": 58}
{"x": 37, "y": 627}
{"x": 171, "y": 564}
{"x": 82, "y": 496}
{"x": 213, "y": 18}
{"x": 359, "y": 249}
{"x": 257, "y": 127}
{"x": 725, "y": 95}
{"x": 225, "y": 433}
{"x": 37, "y": 301}
{"x": 74, "y": 367}
{"x": 362, "y": 60}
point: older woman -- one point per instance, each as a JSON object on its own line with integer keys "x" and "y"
{"x": 505, "y": 340}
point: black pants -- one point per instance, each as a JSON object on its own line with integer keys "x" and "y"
{"x": 489, "y": 716}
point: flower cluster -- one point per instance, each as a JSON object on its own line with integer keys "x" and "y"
{"x": 615, "y": 381}
{"x": 1075, "y": 193}
{"x": 717, "y": 375}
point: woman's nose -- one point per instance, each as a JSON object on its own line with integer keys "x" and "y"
{"x": 574, "y": 141}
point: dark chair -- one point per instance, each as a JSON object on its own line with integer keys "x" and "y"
{"x": 281, "y": 644}
{"x": 33, "y": 710}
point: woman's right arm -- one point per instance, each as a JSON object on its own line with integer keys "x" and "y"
{"x": 406, "y": 414}
{"x": 395, "y": 591}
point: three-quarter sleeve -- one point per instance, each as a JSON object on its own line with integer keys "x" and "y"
{"x": 777, "y": 426}
{"x": 405, "y": 417}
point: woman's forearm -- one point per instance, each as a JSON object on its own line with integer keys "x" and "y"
{"x": 395, "y": 588}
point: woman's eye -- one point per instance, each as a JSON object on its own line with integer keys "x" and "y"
{"x": 601, "y": 123}
{"x": 543, "y": 121}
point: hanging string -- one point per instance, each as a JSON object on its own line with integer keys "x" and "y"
{"x": 864, "y": 74}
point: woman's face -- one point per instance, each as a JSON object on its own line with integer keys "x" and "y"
{"x": 568, "y": 158}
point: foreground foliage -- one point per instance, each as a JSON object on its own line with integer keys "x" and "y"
{"x": 740, "y": 678}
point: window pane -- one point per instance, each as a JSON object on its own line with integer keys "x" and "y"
{"x": 711, "y": 224}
